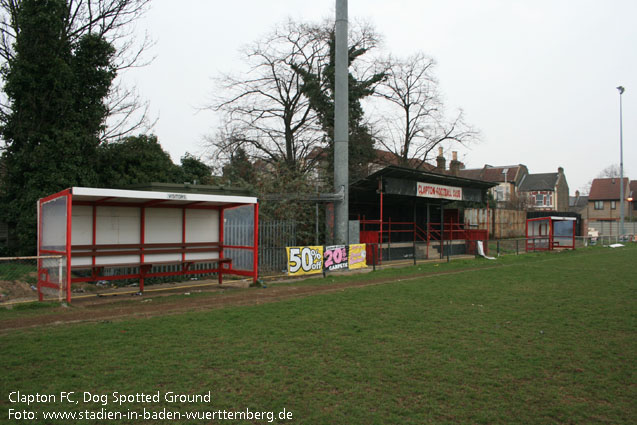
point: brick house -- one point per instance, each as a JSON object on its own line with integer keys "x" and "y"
{"x": 604, "y": 199}
{"x": 579, "y": 204}
{"x": 546, "y": 191}
{"x": 508, "y": 178}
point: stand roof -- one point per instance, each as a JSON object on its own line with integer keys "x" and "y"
{"x": 142, "y": 198}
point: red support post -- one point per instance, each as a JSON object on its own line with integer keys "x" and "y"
{"x": 255, "y": 256}
{"x": 380, "y": 233}
{"x": 40, "y": 296}
{"x": 221, "y": 236}
{"x": 69, "y": 235}
{"x": 94, "y": 237}
{"x": 142, "y": 240}
{"x": 221, "y": 231}
{"x": 183, "y": 232}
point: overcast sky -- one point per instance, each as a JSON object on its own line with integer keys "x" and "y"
{"x": 536, "y": 77}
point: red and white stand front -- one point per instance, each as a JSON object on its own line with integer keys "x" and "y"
{"x": 108, "y": 229}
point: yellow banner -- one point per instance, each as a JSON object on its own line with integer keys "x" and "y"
{"x": 357, "y": 256}
{"x": 304, "y": 260}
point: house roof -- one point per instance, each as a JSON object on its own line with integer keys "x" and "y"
{"x": 499, "y": 174}
{"x": 606, "y": 189}
{"x": 382, "y": 158}
{"x": 542, "y": 181}
{"x": 577, "y": 202}
{"x": 473, "y": 173}
{"x": 388, "y": 158}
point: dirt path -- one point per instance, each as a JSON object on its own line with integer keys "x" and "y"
{"x": 101, "y": 311}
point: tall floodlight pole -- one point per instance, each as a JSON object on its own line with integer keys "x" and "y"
{"x": 621, "y": 165}
{"x": 341, "y": 126}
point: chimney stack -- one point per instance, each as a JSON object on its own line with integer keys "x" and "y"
{"x": 441, "y": 162}
{"x": 454, "y": 165}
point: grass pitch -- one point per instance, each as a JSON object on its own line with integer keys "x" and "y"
{"x": 539, "y": 338}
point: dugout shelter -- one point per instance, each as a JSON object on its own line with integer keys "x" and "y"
{"x": 549, "y": 233}
{"x": 113, "y": 234}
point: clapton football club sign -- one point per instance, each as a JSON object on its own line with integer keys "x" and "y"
{"x": 428, "y": 190}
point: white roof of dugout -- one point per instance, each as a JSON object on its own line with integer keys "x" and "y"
{"x": 142, "y": 197}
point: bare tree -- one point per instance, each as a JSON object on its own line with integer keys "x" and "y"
{"x": 266, "y": 111}
{"x": 612, "y": 171}
{"x": 413, "y": 121}
{"x": 609, "y": 172}
{"x": 112, "y": 20}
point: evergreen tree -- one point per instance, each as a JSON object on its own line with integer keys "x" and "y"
{"x": 239, "y": 171}
{"x": 136, "y": 160}
{"x": 56, "y": 89}
{"x": 195, "y": 171}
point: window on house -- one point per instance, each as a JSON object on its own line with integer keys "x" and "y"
{"x": 599, "y": 205}
{"x": 539, "y": 200}
{"x": 613, "y": 205}
{"x": 499, "y": 195}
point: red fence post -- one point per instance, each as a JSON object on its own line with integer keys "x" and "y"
{"x": 256, "y": 243}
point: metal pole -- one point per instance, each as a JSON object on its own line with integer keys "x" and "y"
{"x": 341, "y": 125}
{"x": 621, "y": 164}
{"x": 428, "y": 228}
{"x": 374, "y": 256}
{"x": 414, "y": 252}
{"x": 442, "y": 229}
{"x": 316, "y": 230}
{"x": 448, "y": 249}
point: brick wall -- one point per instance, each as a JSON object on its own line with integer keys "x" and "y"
{"x": 607, "y": 213}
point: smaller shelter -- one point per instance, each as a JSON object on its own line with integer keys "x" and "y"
{"x": 111, "y": 234}
{"x": 548, "y": 233}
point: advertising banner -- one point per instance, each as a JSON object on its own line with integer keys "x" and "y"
{"x": 438, "y": 191}
{"x": 357, "y": 256}
{"x": 305, "y": 260}
{"x": 335, "y": 257}
{"x": 316, "y": 259}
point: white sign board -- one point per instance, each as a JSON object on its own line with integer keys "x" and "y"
{"x": 428, "y": 190}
